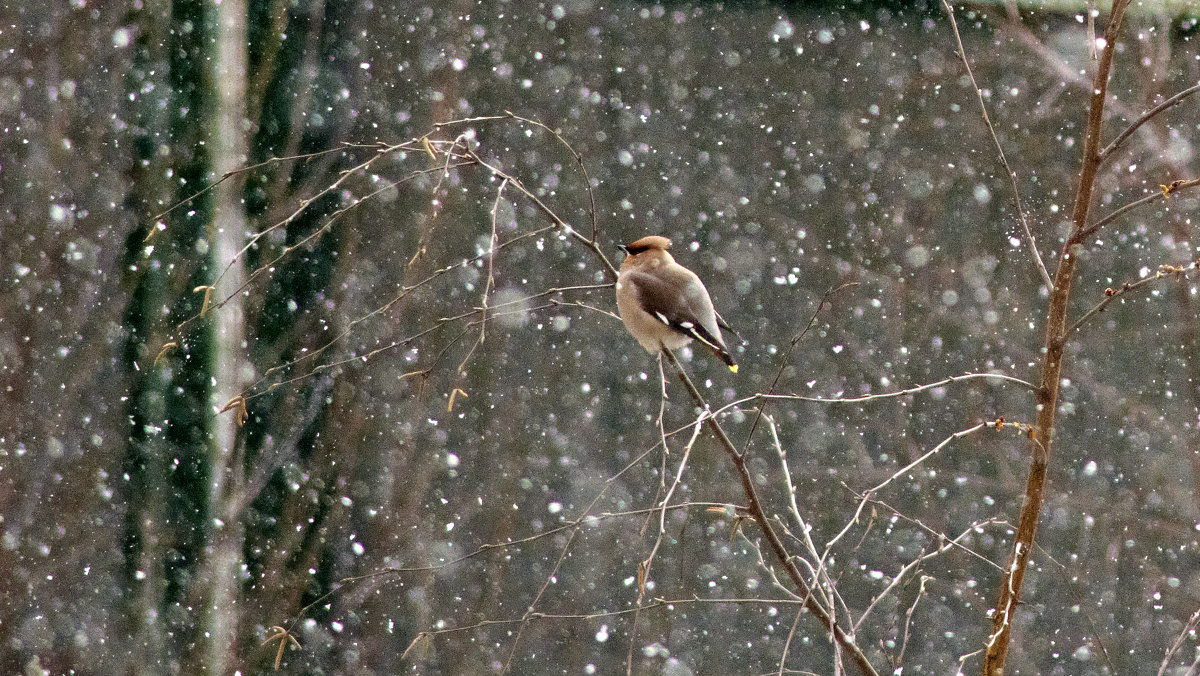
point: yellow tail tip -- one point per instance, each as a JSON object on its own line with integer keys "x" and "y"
{"x": 733, "y": 367}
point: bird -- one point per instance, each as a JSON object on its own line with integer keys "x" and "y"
{"x": 663, "y": 304}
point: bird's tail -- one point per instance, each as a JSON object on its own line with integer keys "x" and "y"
{"x": 712, "y": 342}
{"x": 723, "y": 353}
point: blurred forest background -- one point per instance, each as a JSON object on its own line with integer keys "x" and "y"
{"x": 786, "y": 148}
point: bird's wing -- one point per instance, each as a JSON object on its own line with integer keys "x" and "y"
{"x": 681, "y": 302}
{"x": 725, "y": 325}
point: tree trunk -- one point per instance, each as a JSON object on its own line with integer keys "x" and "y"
{"x": 230, "y": 149}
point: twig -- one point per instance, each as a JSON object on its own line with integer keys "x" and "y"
{"x": 820, "y": 575}
{"x": 1192, "y": 624}
{"x": 739, "y": 403}
{"x": 844, "y": 640}
{"x": 1167, "y": 190}
{"x": 1064, "y": 72}
{"x": 404, "y": 293}
{"x": 586, "y": 518}
{"x": 937, "y": 533}
{"x": 489, "y": 282}
{"x": 870, "y": 493}
{"x": 587, "y": 179}
{"x": 788, "y": 643}
{"x": 916, "y": 389}
{"x": 230, "y": 174}
{"x": 549, "y": 213}
{"x": 943, "y": 547}
{"x": 1112, "y": 294}
{"x": 1012, "y": 175}
{"x": 509, "y": 115}
{"x": 783, "y": 363}
{"x": 908, "y": 615}
{"x": 644, "y": 565}
{"x": 317, "y": 234}
{"x": 562, "y": 556}
{"x": 1091, "y": 31}
{"x": 657, "y": 603}
{"x": 1069, "y": 583}
{"x": 492, "y": 242}
{"x": 468, "y": 120}
{"x": 1146, "y": 117}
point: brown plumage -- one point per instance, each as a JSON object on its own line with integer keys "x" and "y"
{"x": 663, "y": 304}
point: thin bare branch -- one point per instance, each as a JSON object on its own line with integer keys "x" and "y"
{"x": 469, "y": 120}
{"x": 844, "y": 640}
{"x": 1111, "y": 295}
{"x": 489, "y": 282}
{"x": 1012, "y": 175}
{"x": 645, "y": 564}
{"x": 783, "y": 363}
{"x": 1091, "y": 32}
{"x": 1068, "y": 75}
{"x": 578, "y": 160}
{"x": 787, "y": 645}
{"x": 1146, "y": 117}
{"x": 916, "y": 389}
{"x": 586, "y": 518}
{"x": 908, "y": 615}
{"x": 870, "y": 493}
{"x": 668, "y": 604}
{"x": 935, "y": 532}
{"x": 562, "y": 556}
{"x": 492, "y": 242}
{"x": 404, "y": 292}
{"x": 1068, "y": 581}
{"x": 1192, "y": 625}
{"x": 819, "y": 574}
{"x": 231, "y": 174}
{"x": 315, "y": 235}
{"x": 509, "y": 115}
{"x": 549, "y": 213}
{"x": 1167, "y": 190}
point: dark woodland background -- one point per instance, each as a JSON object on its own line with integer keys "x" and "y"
{"x": 786, "y": 149}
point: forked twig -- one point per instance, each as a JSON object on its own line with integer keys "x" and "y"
{"x": 844, "y": 639}
{"x": 1192, "y": 624}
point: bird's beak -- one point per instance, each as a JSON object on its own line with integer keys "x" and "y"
{"x": 623, "y": 249}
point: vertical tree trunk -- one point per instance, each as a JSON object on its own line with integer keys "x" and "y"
{"x": 226, "y": 236}
{"x": 143, "y": 576}
{"x": 164, "y": 521}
